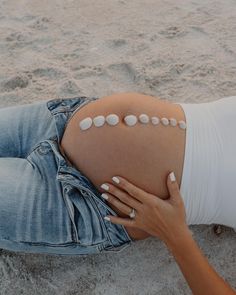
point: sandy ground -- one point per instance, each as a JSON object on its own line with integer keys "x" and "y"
{"x": 184, "y": 51}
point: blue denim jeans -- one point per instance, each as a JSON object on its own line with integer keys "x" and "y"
{"x": 47, "y": 205}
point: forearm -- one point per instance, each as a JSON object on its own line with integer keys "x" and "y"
{"x": 200, "y": 276}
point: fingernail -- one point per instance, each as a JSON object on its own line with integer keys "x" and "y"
{"x": 105, "y": 196}
{"x": 172, "y": 177}
{"x": 105, "y": 186}
{"x": 107, "y": 218}
{"x": 115, "y": 179}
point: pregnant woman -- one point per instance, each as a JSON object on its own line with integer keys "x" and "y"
{"x": 57, "y": 155}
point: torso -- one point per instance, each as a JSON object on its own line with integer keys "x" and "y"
{"x": 144, "y": 153}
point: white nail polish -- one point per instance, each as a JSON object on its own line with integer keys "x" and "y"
{"x": 115, "y": 179}
{"x": 105, "y": 196}
{"x": 105, "y": 186}
{"x": 107, "y": 218}
{"x": 172, "y": 176}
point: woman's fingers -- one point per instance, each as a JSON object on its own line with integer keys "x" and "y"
{"x": 117, "y": 203}
{"x": 123, "y": 196}
{"x": 118, "y": 220}
{"x": 131, "y": 189}
{"x": 165, "y": 219}
{"x": 173, "y": 187}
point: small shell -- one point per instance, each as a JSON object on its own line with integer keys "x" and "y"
{"x": 217, "y": 228}
{"x": 99, "y": 121}
{"x": 165, "y": 121}
{"x": 173, "y": 122}
{"x": 112, "y": 119}
{"x": 182, "y": 125}
{"x": 130, "y": 120}
{"x": 143, "y": 118}
{"x": 155, "y": 120}
{"x": 86, "y": 123}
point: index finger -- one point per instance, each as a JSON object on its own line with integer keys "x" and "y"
{"x": 131, "y": 189}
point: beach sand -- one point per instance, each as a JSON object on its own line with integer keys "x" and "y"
{"x": 183, "y": 51}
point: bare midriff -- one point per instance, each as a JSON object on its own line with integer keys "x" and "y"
{"x": 144, "y": 154}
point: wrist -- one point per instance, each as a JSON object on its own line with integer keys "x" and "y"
{"x": 179, "y": 240}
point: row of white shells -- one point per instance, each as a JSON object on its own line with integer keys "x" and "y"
{"x": 130, "y": 120}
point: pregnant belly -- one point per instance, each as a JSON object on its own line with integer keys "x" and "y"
{"x": 144, "y": 153}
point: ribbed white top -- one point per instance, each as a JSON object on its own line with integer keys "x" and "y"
{"x": 208, "y": 184}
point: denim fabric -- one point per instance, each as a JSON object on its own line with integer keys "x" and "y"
{"x": 47, "y": 205}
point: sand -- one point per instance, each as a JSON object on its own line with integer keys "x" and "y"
{"x": 183, "y": 51}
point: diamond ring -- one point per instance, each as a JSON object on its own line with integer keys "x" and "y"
{"x": 132, "y": 213}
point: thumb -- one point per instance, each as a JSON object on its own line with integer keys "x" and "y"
{"x": 173, "y": 187}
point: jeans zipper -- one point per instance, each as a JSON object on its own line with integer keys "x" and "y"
{"x": 91, "y": 194}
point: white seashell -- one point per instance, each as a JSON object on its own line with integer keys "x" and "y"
{"x": 86, "y": 123}
{"x": 99, "y": 121}
{"x": 143, "y": 118}
{"x": 173, "y": 122}
{"x": 182, "y": 125}
{"x": 112, "y": 119}
{"x": 130, "y": 120}
{"x": 165, "y": 121}
{"x": 155, "y": 120}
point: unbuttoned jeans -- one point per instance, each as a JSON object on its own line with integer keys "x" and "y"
{"x": 47, "y": 205}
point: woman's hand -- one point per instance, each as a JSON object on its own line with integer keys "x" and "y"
{"x": 160, "y": 218}
{"x": 166, "y": 219}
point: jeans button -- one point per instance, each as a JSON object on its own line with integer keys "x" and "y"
{"x": 43, "y": 149}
